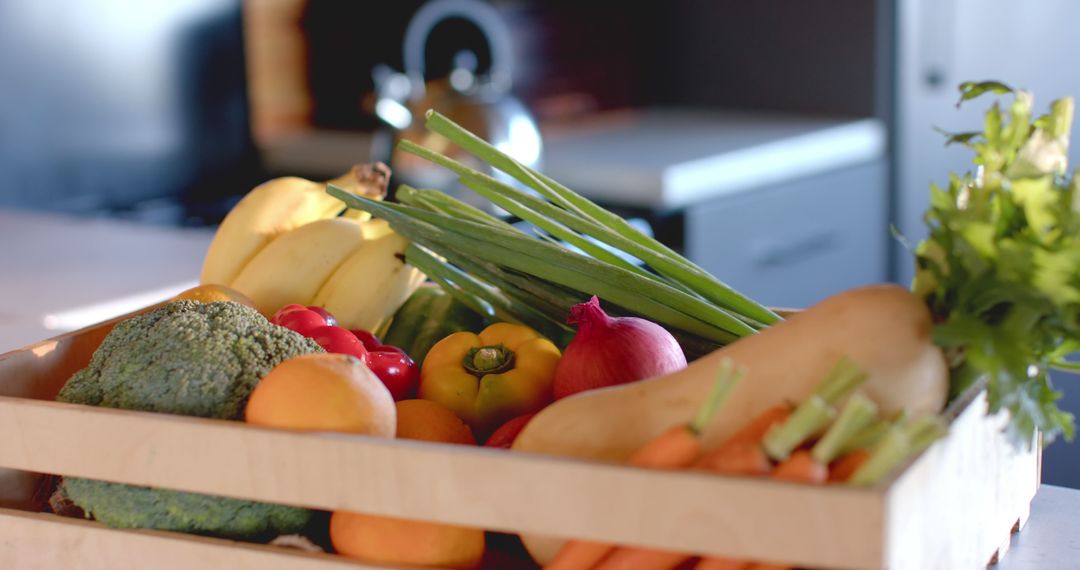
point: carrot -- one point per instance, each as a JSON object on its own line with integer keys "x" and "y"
{"x": 719, "y": 563}
{"x": 899, "y": 443}
{"x": 741, "y": 454}
{"x": 740, "y": 458}
{"x": 641, "y": 559}
{"x": 677, "y": 447}
{"x": 842, "y": 469}
{"x": 815, "y": 412}
{"x": 756, "y": 429}
{"x": 801, "y": 467}
{"x": 731, "y": 564}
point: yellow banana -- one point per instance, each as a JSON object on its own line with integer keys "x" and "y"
{"x": 374, "y": 229}
{"x": 294, "y": 266}
{"x": 278, "y": 206}
{"x": 371, "y": 285}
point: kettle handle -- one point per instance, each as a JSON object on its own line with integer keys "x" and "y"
{"x": 481, "y": 14}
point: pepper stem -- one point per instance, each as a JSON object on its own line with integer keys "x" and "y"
{"x": 491, "y": 359}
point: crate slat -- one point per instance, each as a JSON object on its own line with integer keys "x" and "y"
{"x": 487, "y": 488}
{"x": 972, "y": 486}
{"x": 33, "y": 541}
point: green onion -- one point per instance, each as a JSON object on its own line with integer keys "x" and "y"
{"x": 544, "y": 216}
{"x": 482, "y": 299}
{"x": 435, "y": 201}
{"x": 514, "y": 250}
{"x": 586, "y": 209}
{"x": 679, "y": 272}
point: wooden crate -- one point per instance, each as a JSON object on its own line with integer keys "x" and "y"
{"x": 951, "y": 507}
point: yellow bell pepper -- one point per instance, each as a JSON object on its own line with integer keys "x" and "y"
{"x": 486, "y": 379}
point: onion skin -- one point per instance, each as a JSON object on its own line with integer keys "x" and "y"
{"x": 607, "y": 351}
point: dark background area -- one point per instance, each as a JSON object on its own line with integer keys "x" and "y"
{"x": 73, "y": 139}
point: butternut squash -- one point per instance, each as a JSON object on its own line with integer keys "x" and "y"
{"x": 883, "y": 328}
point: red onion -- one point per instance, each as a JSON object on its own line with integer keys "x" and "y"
{"x": 613, "y": 350}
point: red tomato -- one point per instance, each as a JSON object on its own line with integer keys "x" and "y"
{"x": 397, "y": 371}
{"x": 337, "y": 340}
{"x": 302, "y": 321}
{"x": 506, "y": 434}
{"x": 276, "y": 319}
{"x": 388, "y": 348}
{"x": 327, "y": 317}
{"x": 371, "y": 342}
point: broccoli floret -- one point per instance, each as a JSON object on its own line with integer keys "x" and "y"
{"x": 192, "y": 359}
{"x": 126, "y": 506}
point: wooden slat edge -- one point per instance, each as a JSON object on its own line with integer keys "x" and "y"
{"x": 492, "y": 489}
{"x": 955, "y": 505}
{"x": 38, "y": 540}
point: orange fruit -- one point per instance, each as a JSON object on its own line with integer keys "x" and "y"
{"x": 323, "y": 392}
{"x": 406, "y": 542}
{"x": 431, "y": 421}
{"x": 211, "y": 293}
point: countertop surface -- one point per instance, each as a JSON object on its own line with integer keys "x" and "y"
{"x": 668, "y": 159}
{"x": 61, "y": 273}
{"x": 1051, "y": 539}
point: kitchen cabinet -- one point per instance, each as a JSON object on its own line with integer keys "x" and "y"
{"x": 793, "y": 243}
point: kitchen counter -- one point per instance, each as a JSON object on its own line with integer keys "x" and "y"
{"x": 1051, "y": 539}
{"x": 61, "y": 273}
{"x": 665, "y": 159}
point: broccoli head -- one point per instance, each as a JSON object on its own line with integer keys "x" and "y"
{"x": 127, "y": 506}
{"x": 186, "y": 358}
{"x": 192, "y": 359}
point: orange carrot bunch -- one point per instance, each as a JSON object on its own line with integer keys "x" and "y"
{"x": 811, "y": 443}
{"x": 677, "y": 448}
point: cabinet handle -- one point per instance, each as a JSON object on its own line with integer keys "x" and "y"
{"x": 771, "y": 254}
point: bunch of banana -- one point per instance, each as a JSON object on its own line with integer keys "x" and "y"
{"x": 286, "y": 242}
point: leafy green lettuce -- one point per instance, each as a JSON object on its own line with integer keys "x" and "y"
{"x": 1000, "y": 269}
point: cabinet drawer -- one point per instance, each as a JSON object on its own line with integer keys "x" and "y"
{"x": 795, "y": 243}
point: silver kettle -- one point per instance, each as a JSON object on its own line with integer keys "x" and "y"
{"x": 481, "y": 103}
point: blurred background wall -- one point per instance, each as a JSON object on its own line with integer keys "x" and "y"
{"x": 772, "y": 142}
